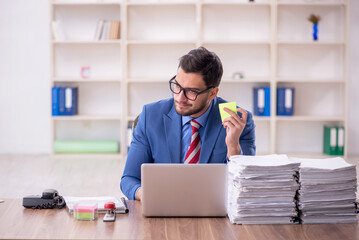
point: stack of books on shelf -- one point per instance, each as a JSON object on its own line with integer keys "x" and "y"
{"x": 64, "y": 101}
{"x": 107, "y": 30}
{"x": 262, "y": 189}
{"x": 327, "y": 191}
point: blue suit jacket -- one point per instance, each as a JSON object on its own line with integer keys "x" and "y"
{"x": 157, "y": 139}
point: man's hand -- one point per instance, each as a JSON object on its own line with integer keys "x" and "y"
{"x": 234, "y": 126}
{"x": 139, "y": 194}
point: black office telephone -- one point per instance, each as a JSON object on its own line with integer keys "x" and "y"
{"x": 50, "y": 199}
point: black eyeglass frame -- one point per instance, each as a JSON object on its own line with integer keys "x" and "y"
{"x": 187, "y": 89}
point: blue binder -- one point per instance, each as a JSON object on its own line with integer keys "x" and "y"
{"x": 285, "y": 101}
{"x": 71, "y": 96}
{"x": 55, "y": 101}
{"x": 261, "y": 101}
{"x": 61, "y": 101}
{"x": 64, "y": 101}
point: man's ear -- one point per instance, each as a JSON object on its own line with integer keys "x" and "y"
{"x": 213, "y": 93}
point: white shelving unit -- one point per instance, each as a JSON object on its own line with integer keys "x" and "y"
{"x": 316, "y": 69}
{"x": 269, "y": 41}
{"x": 100, "y": 96}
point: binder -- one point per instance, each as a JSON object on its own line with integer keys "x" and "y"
{"x": 261, "y": 101}
{"x": 71, "y": 99}
{"x": 340, "y": 141}
{"x": 55, "y": 101}
{"x": 330, "y": 140}
{"x": 285, "y": 101}
{"x": 333, "y": 142}
{"x": 62, "y": 100}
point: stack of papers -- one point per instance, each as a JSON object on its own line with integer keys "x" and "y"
{"x": 327, "y": 190}
{"x": 121, "y": 206}
{"x": 261, "y": 189}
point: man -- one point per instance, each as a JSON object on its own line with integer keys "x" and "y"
{"x": 166, "y": 134}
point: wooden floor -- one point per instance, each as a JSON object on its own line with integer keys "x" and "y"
{"x": 22, "y": 175}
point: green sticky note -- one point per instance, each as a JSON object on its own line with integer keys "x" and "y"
{"x": 230, "y": 105}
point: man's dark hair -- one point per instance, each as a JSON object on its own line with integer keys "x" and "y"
{"x": 202, "y": 61}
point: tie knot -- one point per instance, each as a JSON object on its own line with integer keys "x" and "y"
{"x": 195, "y": 125}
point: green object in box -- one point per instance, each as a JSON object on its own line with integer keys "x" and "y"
{"x": 333, "y": 142}
{"x": 84, "y": 215}
{"x": 85, "y": 146}
{"x": 85, "y": 211}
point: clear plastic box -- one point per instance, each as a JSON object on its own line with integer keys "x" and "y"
{"x": 85, "y": 211}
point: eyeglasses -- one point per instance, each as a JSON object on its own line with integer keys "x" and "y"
{"x": 189, "y": 93}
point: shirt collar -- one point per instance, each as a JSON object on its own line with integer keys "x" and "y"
{"x": 201, "y": 119}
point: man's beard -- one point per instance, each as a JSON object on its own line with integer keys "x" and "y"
{"x": 190, "y": 112}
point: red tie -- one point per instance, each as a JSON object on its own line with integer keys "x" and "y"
{"x": 194, "y": 150}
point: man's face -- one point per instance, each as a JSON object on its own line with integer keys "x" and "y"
{"x": 186, "y": 107}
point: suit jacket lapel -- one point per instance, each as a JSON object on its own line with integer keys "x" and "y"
{"x": 213, "y": 127}
{"x": 172, "y": 125}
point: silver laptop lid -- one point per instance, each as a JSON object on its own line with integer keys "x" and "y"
{"x": 184, "y": 189}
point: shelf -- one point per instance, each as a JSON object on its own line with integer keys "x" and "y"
{"x": 159, "y": 42}
{"x": 261, "y": 119}
{"x": 85, "y": 3}
{"x": 224, "y": 3}
{"x": 86, "y": 80}
{"x": 161, "y": 22}
{"x": 87, "y": 117}
{"x": 237, "y": 42}
{"x": 311, "y": 43}
{"x": 97, "y": 42}
{"x": 312, "y": 3}
{"x": 158, "y": 61}
{"x": 161, "y": 3}
{"x": 100, "y": 156}
{"x": 310, "y": 118}
{"x": 246, "y": 80}
{"x": 149, "y": 80}
{"x": 251, "y": 60}
{"x": 235, "y": 23}
{"x": 310, "y": 80}
{"x": 326, "y": 62}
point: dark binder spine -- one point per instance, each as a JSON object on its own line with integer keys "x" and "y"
{"x": 61, "y": 101}
{"x": 75, "y": 105}
{"x": 285, "y": 101}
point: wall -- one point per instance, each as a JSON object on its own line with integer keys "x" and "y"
{"x": 24, "y": 77}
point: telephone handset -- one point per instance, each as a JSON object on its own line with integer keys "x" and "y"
{"x": 49, "y": 199}
{"x": 49, "y": 194}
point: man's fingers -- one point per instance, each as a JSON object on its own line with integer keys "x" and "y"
{"x": 235, "y": 115}
{"x": 244, "y": 114}
{"x": 230, "y": 112}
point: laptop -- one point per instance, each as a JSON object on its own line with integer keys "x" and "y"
{"x": 179, "y": 190}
